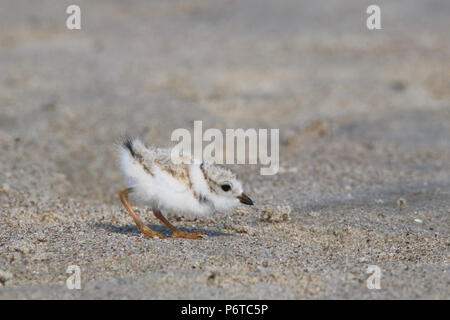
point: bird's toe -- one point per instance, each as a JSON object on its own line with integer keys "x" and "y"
{"x": 188, "y": 235}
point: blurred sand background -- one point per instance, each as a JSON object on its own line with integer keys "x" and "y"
{"x": 364, "y": 120}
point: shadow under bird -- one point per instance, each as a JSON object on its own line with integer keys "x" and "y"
{"x": 187, "y": 187}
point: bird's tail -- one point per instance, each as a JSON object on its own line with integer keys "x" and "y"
{"x": 127, "y": 145}
{"x": 131, "y": 157}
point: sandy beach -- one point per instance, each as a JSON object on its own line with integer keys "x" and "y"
{"x": 364, "y": 119}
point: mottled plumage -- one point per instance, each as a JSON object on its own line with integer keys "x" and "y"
{"x": 188, "y": 187}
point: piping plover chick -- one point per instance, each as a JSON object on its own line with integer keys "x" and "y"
{"x": 189, "y": 187}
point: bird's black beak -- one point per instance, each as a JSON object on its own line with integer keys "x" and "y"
{"x": 245, "y": 199}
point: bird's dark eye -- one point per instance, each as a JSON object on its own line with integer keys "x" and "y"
{"x": 226, "y": 187}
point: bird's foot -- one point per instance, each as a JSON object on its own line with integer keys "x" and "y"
{"x": 149, "y": 233}
{"x": 188, "y": 235}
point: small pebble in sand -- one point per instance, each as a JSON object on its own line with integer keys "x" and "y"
{"x": 275, "y": 214}
{"x": 5, "y": 188}
{"x": 401, "y": 203}
{"x": 314, "y": 214}
{"x": 212, "y": 278}
{"x": 5, "y": 276}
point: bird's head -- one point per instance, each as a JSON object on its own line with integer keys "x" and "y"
{"x": 225, "y": 189}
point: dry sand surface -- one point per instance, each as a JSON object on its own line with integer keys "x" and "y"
{"x": 364, "y": 119}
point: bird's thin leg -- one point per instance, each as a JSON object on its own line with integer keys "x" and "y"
{"x": 123, "y": 195}
{"x": 176, "y": 233}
